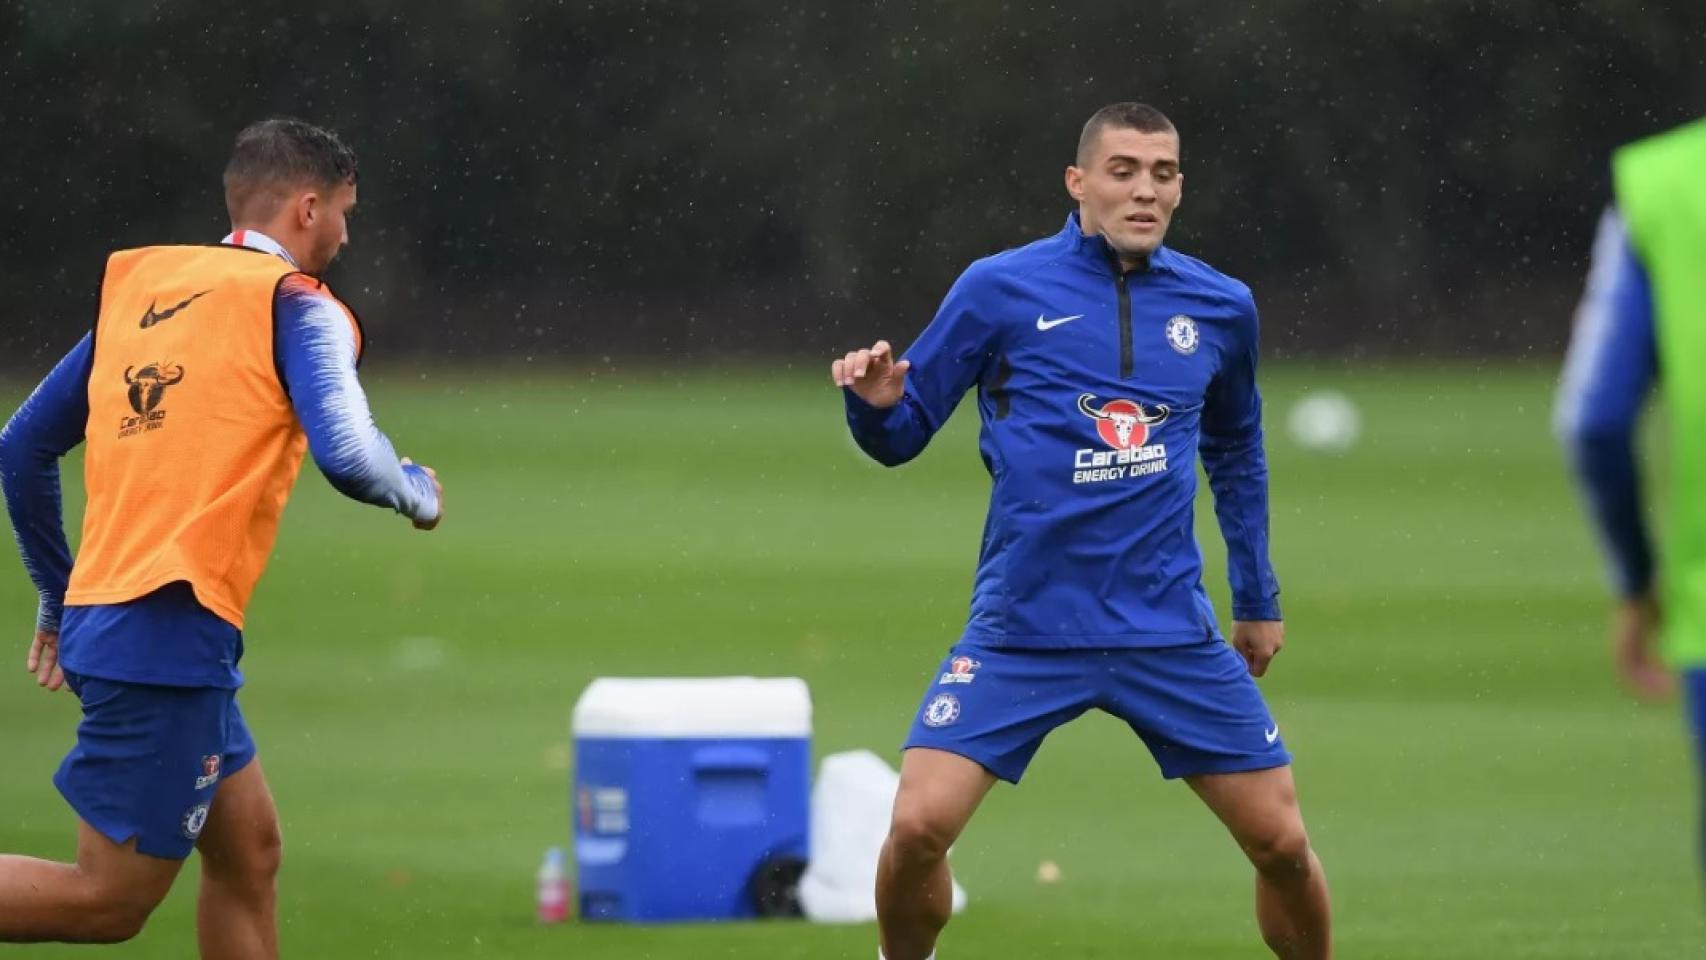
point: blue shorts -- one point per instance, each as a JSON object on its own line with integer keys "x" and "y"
{"x": 1694, "y": 696}
{"x": 148, "y": 760}
{"x": 1195, "y": 706}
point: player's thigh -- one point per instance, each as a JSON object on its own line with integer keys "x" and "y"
{"x": 1258, "y": 807}
{"x": 939, "y": 792}
{"x": 119, "y": 878}
{"x": 1195, "y": 707}
{"x": 242, "y": 833}
{"x": 994, "y": 707}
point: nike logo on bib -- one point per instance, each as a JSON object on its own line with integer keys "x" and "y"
{"x": 151, "y": 317}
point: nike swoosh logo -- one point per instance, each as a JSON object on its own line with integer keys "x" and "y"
{"x": 152, "y": 316}
{"x": 1273, "y": 734}
{"x": 1043, "y": 324}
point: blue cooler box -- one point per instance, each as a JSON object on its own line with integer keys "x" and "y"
{"x": 683, "y": 789}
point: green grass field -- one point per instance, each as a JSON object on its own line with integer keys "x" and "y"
{"x": 1475, "y": 782}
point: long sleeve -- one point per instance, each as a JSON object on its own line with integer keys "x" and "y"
{"x": 1237, "y": 469}
{"x": 48, "y": 425}
{"x": 947, "y": 359}
{"x": 317, "y": 355}
{"x": 1611, "y": 367}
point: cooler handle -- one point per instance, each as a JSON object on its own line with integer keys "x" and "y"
{"x": 731, "y": 758}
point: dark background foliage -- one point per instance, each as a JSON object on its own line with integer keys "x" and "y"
{"x": 721, "y": 179}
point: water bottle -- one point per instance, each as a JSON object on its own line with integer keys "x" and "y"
{"x": 553, "y": 888}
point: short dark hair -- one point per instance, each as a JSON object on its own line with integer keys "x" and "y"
{"x": 280, "y": 154}
{"x": 1126, "y": 115}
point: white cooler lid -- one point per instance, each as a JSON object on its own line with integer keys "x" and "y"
{"x": 694, "y": 707}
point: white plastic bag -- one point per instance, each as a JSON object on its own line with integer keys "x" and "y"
{"x": 851, "y": 804}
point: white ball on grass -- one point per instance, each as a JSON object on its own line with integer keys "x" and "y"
{"x": 1325, "y": 421}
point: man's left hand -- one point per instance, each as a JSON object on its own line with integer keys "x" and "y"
{"x": 44, "y": 660}
{"x": 1259, "y": 641}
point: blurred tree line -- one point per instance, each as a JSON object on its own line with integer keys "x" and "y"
{"x": 675, "y": 179}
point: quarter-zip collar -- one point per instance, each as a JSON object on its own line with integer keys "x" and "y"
{"x": 1095, "y": 252}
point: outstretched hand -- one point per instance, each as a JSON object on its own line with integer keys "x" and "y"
{"x": 873, "y": 375}
{"x": 437, "y": 487}
{"x": 44, "y": 660}
{"x": 1258, "y": 641}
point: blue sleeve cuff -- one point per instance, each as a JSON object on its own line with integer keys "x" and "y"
{"x": 1268, "y": 610}
{"x": 891, "y": 436}
{"x": 1610, "y": 486}
{"x": 49, "y": 612}
{"x": 863, "y": 416}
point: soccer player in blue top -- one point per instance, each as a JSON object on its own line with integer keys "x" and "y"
{"x": 1104, "y": 362}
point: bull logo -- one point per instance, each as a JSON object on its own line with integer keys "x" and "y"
{"x": 1122, "y": 424}
{"x": 148, "y": 385}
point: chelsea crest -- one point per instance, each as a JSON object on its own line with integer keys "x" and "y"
{"x": 1182, "y": 334}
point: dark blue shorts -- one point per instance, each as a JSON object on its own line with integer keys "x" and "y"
{"x": 148, "y": 760}
{"x": 1694, "y": 696}
{"x": 1196, "y": 706}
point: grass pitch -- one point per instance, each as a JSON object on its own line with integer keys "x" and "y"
{"x": 1474, "y": 781}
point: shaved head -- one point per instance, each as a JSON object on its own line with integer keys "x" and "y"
{"x": 1121, "y": 116}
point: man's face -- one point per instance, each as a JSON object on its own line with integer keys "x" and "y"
{"x": 328, "y": 226}
{"x": 1128, "y": 187}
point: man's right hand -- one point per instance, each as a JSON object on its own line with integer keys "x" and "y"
{"x": 438, "y": 487}
{"x": 44, "y": 660}
{"x": 873, "y": 375}
{"x": 1632, "y": 640}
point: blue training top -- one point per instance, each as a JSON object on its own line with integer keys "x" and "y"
{"x": 1097, "y": 388}
{"x": 166, "y": 637}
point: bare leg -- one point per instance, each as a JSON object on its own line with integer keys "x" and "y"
{"x": 236, "y": 916}
{"x": 1260, "y": 809}
{"x": 938, "y": 793}
{"x": 105, "y": 897}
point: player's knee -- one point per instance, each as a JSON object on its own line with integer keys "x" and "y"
{"x": 266, "y": 856}
{"x": 916, "y": 836}
{"x": 1282, "y": 854}
{"x": 252, "y": 864}
{"x": 1282, "y": 943}
{"x": 113, "y": 900}
{"x": 117, "y": 925}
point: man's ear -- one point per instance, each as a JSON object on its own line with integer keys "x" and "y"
{"x": 1075, "y": 183}
{"x": 307, "y": 209}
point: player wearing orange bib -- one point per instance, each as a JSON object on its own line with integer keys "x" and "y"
{"x": 211, "y": 370}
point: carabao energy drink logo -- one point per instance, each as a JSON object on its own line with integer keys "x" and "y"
{"x": 1126, "y": 427}
{"x": 145, "y": 388}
